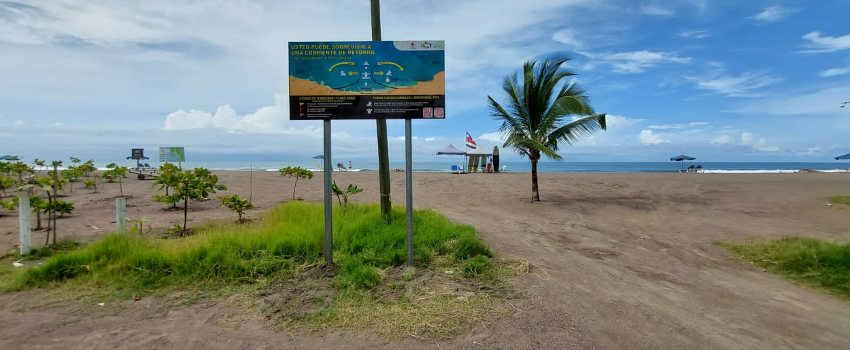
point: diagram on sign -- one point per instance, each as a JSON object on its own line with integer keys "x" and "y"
{"x": 364, "y": 74}
{"x": 379, "y": 68}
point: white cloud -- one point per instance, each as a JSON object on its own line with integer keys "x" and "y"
{"x": 57, "y": 124}
{"x": 636, "y": 61}
{"x": 734, "y": 86}
{"x": 141, "y": 47}
{"x": 721, "y": 140}
{"x": 620, "y": 132}
{"x": 677, "y": 126}
{"x": 665, "y": 126}
{"x": 773, "y": 14}
{"x": 809, "y": 151}
{"x": 493, "y": 137}
{"x": 647, "y": 137}
{"x": 568, "y": 36}
{"x": 656, "y": 10}
{"x": 749, "y": 139}
{"x": 819, "y": 43}
{"x": 402, "y": 138}
{"x": 265, "y": 120}
{"x": 193, "y": 119}
{"x": 832, "y": 72}
{"x": 429, "y": 139}
{"x": 695, "y": 34}
{"x": 19, "y": 123}
{"x": 821, "y": 102}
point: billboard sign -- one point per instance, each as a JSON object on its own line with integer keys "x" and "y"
{"x": 137, "y": 153}
{"x": 172, "y": 154}
{"x": 367, "y": 80}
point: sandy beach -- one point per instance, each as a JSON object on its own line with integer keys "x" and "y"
{"x": 618, "y": 261}
{"x": 303, "y": 87}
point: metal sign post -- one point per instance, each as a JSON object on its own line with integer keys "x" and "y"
{"x": 329, "y": 259}
{"x": 408, "y": 159}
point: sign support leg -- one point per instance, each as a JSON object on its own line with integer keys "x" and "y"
{"x": 328, "y": 172}
{"x": 408, "y": 158}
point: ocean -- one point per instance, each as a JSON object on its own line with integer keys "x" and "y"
{"x": 584, "y": 167}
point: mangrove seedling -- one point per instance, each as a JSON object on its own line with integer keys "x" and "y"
{"x": 298, "y": 173}
{"x": 350, "y": 191}
{"x": 236, "y": 204}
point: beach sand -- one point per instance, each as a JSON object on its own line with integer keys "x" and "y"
{"x": 618, "y": 261}
{"x": 303, "y": 87}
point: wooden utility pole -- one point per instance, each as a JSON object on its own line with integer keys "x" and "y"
{"x": 383, "y": 152}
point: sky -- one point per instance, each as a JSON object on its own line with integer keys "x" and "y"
{"x": 715, "y": 79}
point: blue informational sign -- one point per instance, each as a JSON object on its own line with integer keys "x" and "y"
{"x": 172, "y": 154}
{"x": 367, "y": 80}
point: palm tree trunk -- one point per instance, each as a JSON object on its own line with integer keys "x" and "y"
{"x": 535, "y": 193}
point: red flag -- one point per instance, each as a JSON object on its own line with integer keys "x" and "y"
{"x": 470, "y": 142}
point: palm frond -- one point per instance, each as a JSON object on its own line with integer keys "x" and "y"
{"x": 509, "y": 121}
{"x": 574, "y": 131}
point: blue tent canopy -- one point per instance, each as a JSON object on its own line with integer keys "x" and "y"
{"x": 321, "y": 156}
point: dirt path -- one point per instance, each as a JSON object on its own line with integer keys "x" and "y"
{"x": 620, "y": 261}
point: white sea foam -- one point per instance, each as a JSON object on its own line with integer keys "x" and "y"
{"x": 775, "y": 171}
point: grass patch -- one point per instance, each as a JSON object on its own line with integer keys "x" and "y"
{"x": 839, "y": 200}
{"x": 438, "y": 317}
{"x": 478, "y": 266}
{"x": 811, "y": 262}
{"x": 62, "y": 246}
{"x": 287, "y": 245}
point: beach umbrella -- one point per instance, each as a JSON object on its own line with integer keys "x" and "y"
{"x": 844, "y": 157}
{"x": 9, "y": 157}
{"x": 321, "y": 156}
{"x": 682, "y": 159}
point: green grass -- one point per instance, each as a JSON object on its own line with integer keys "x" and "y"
{"x": 839, "y": 200}
{"x": 222, "y": 255}
{"x": 807, "y": 261}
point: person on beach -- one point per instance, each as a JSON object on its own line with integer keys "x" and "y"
{"x": 349, "y": 165}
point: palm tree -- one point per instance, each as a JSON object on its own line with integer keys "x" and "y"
{"x": 538, "y": 116}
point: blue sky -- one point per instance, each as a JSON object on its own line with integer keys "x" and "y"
{"x": 718, "y": 80}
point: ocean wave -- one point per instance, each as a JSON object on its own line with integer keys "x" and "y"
{"x": 766, "y": 171}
